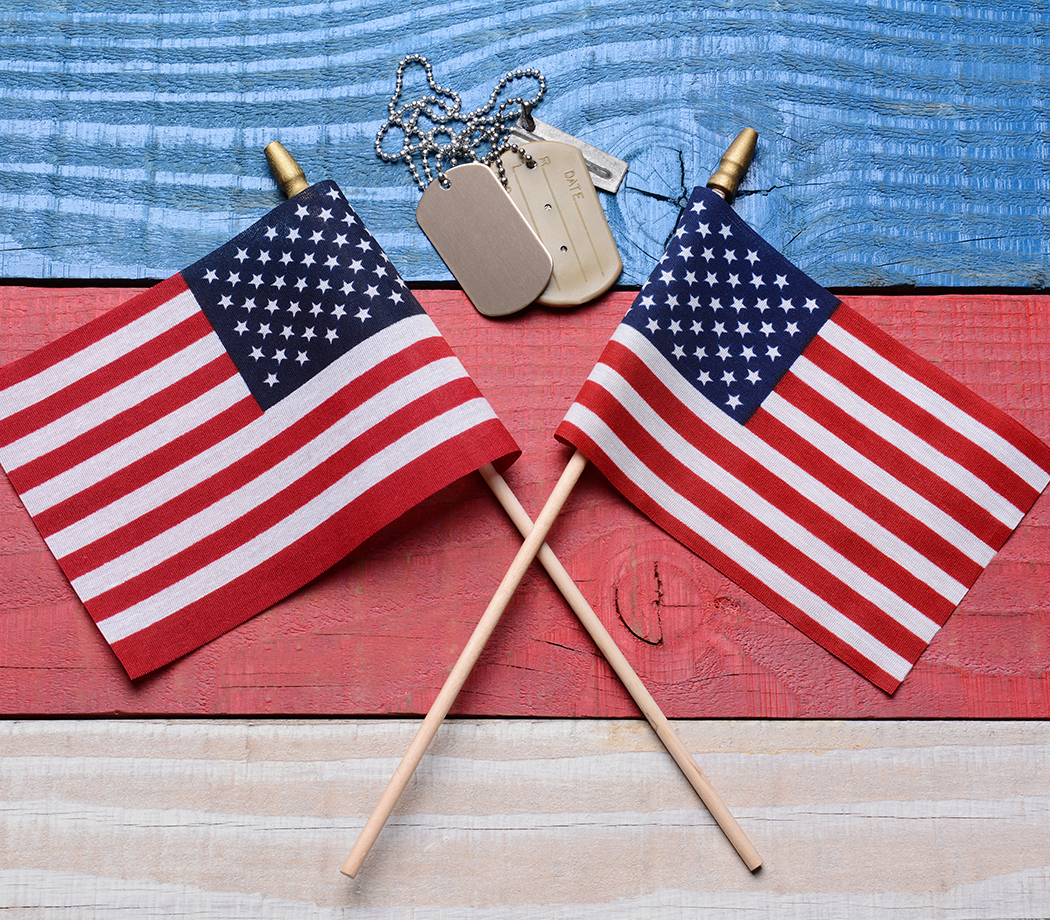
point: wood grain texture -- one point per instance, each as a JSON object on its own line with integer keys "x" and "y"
{"x": 901, "y": 142}
{"x": 523, "y": 821}
{"x": 378, "y": 632}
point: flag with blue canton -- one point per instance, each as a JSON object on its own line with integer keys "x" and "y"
{"x": 841, "y": 479}
{"x": 297, "y": 291}
{"x": 210, "y": 446}
{"x": 734, "y": 315}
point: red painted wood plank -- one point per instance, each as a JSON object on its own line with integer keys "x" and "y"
{"x": 378, "y": 632}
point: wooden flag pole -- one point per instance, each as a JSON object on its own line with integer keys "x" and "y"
{"x": 533, "y": 547}
{"x": 631, "y": 681}
{"x": 724, "y": 181}
{"x": 291, "y": 178}
{"x": 535, "y": 535}
{"x": 461, "y": 670}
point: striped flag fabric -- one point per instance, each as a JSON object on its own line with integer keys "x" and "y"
{"x": 838, "y": 477}
{"x": 210, "y": 446}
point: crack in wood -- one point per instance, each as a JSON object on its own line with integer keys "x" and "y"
{"x": 638, "y": 628}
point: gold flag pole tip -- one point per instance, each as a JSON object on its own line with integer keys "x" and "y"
{"x": 734, "y": 163}
{"x": 288, "y": 173}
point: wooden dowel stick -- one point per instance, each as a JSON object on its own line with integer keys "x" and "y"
{"x": 461, "y": 670}
{"x": 291, "y": 179}
{"x": 631, "y": 681}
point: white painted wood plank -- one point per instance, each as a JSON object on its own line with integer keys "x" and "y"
{"x": 523, "y": 820}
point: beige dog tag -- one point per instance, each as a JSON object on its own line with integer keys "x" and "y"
{"x": 484, "y": 240}
{"x": 557, "y": 197}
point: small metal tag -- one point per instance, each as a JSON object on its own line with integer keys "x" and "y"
{"x": 485, "y": 241}
{"x": 606, "y": 171}
{"x": 557, "y": 197}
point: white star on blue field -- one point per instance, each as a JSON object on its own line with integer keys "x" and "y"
{"x": 726, "y": 309}
{"x": 297, "y": 290}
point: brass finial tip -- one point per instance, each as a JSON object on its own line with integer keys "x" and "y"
{"x": 289, "y": 174}
{"x": 734, "y": 164}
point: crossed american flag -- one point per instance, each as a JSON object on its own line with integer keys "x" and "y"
{"x": 197, "y": 454}
{"x": 841, "y": 479}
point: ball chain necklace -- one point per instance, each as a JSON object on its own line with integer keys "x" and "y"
{"x": 515, "y": 223}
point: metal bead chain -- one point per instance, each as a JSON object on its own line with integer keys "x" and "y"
{"x": 463, "y": 134}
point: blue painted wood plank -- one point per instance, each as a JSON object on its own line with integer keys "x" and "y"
{"x": 901, "y": 142}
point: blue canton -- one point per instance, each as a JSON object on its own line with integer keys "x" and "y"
{"x": 297, "y": 290}
{"x": 726, "y": 309}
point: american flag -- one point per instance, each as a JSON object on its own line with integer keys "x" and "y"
{"x": 847, "y": 483}
{"x": 211, "y": 445}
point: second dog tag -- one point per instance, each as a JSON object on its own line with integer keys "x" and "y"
{"x": 484, "y": 240}
{"x": 557, "y": 197}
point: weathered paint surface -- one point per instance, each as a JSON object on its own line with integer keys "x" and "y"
{"x": 523, "y": 820}
{"x": 378, "y": 633}
{"x": 901, "y": 143}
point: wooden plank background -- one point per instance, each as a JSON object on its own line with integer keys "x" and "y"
{"x": 549, "y": 820}
{"x": 902, "y": 142}
{"x": 377, "y": 633}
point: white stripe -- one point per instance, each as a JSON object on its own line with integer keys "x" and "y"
{"x": 783, "y": 525}
{"x": 735, "y": 548}
{"x": 272, "y": 481}
{"x": 118, "y": 343}
{"x": 903, "y": 438}
{"x": 198, "y": 468}
{"x": 247, "y": 556}
{"x": 957, "y": 419}
{"x": 891, "y": 488}
{"x": 89, "y": 415}
{"x": 795, "y": 477}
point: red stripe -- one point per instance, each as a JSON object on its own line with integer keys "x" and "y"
{"x": 114, "y": 430}
{"x": 749, "y": 529}
{"x": 943, "y": 384}
{"x": 766, "y": 483}
{"x": 265, "y": 514}
{"x": 923, "y": 424}
{"x": 145, "y": 469}
{"x": 76, "y": 341}
{"x": 98, "y": 383}
{"x": 297, "y": 564}
{"x": 894, "y": 461}
{"x": 945, "y": 555}
{"x": 575, "y": 436}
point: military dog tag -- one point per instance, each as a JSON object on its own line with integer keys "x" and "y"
{"x": 556, "y": 195}
{"x": 606, "y": 171}
{"x": 487, "y": 244}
